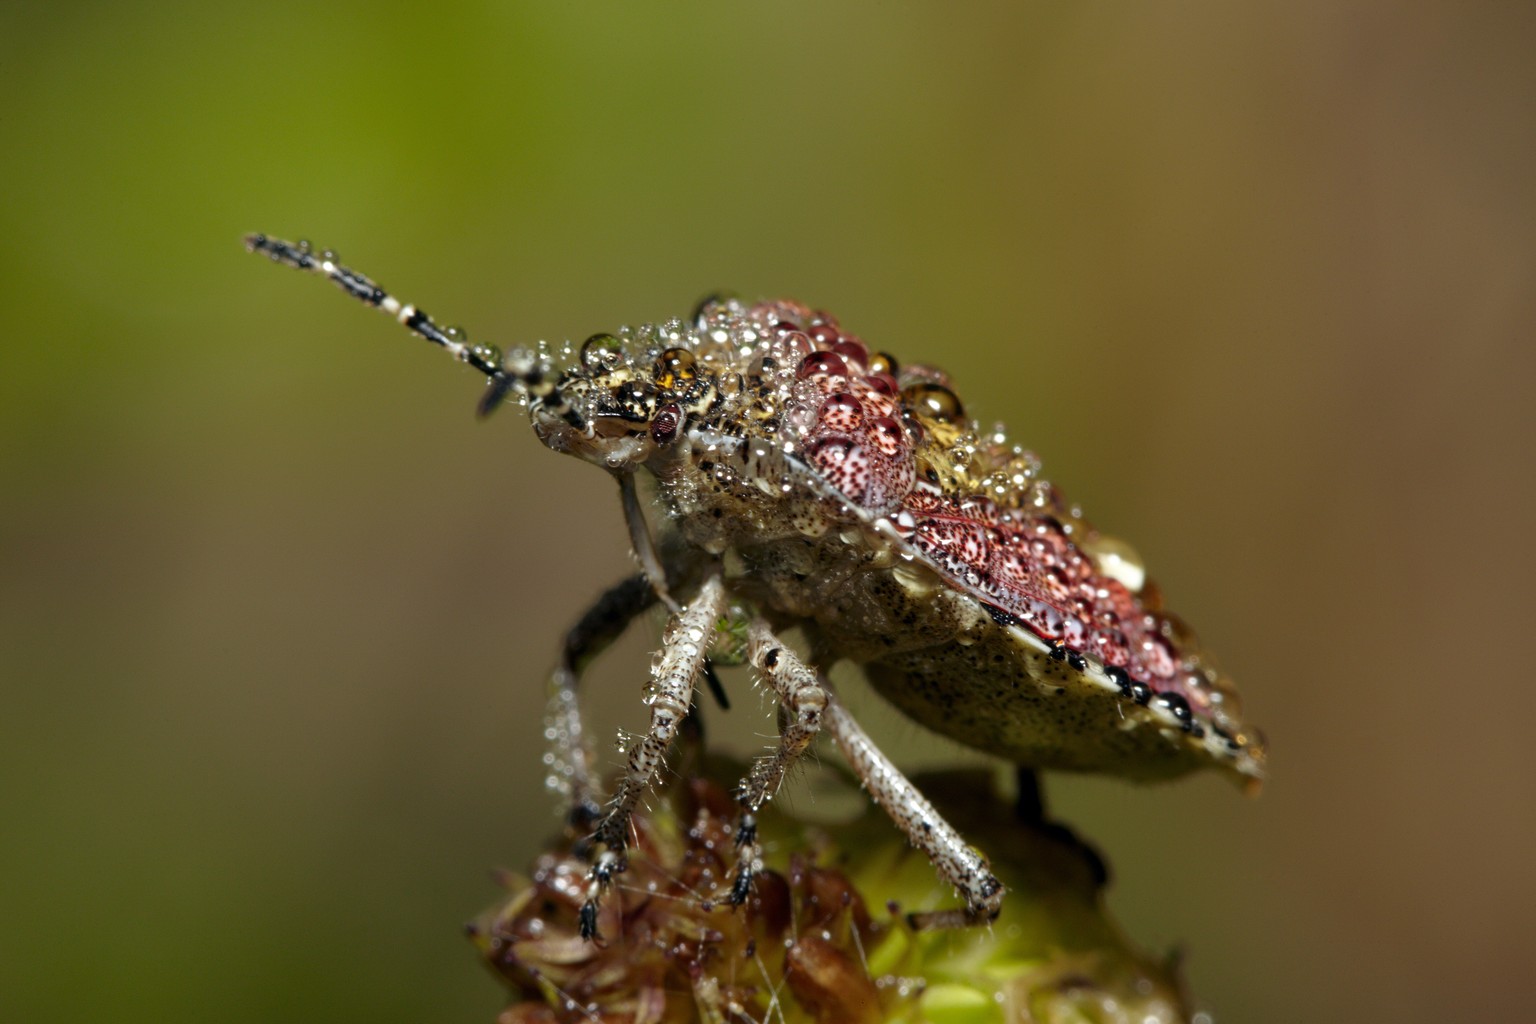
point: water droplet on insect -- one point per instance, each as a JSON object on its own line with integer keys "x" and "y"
{"x": 1116, "y": 559}
{"x": 818, "y": 364}
{"x": 1178, "y": 631}
{"x": 853, "y": 351}
{"x": 706, "y": 306}
{"x": 602, "y": 352}
{"x": 675, "y": 368}
{"x": 842, "y": 411}
{"x": 934, "y": 401}
{"x": 825, "y": 335}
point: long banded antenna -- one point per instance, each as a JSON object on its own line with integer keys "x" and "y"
{"x": 521, "y": 371}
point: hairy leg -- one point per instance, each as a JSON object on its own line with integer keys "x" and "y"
{"x": 802, "y": 700}
{"x": 569, "y": 755}
{"x": 956, "y": 861}
{"x": 684, "y": 646}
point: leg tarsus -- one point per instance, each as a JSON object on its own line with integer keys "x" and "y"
{"x": 588, "y": 919}
{"x": 746, "y": 830}
{"x": 748, "y": 860}
{"x": 984, "y": 912}
{"x": 741, "y": 889}
{"x": 802, "y": 701}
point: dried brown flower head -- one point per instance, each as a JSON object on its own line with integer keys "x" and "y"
{"x": 823, "y": 938}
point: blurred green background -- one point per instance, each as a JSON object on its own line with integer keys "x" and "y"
{"x": 1256, "y": 280}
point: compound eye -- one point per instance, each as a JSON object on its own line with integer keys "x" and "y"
{"x": 667, "y": 425}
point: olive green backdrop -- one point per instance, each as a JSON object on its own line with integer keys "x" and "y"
{"x": 1256, "y": 280}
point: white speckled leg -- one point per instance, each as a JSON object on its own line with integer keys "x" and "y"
{"x": 803, "y": 699}
{"x": 568, "y": 756}
{"x": 956, "y": 861}
{"x": 684, "y": 646}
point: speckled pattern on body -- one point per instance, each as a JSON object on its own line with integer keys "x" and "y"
{"x": 803, "y": 480}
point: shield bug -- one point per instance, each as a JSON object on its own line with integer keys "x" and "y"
{"x": 805, "y": 481}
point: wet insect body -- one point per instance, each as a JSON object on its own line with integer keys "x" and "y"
{"x": 805, "y": 481}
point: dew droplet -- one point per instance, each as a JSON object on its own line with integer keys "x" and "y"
{"x": 853, "y": 351}
{"x": 675, "y": 368}
{"x": 842, "y": 412}
{"x": 934, "y": 401}
{"x": 1176, "y": 706}
{"x": 602, "y": 352}
{"x": 887, "y": 435}
{"x": 794, "y": 346}
{"x": 1116, "y": 559}
{"x": 706, "y": 304}
{"x": 489, "y": 355}
{"x": 818, "y": 364}
{"x": 824, "y": 334}
{"x": 1177, "y": 631}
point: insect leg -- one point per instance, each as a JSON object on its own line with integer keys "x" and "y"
{"x": 1029, "y": 808}
{"x": 640, "y": 539}
{"x": 956, "y": 861}
{"x": 685, "y": 644}
{"x": 569, "y": 757}
{"x": 803, "y": 700}
{"x": 1029, "y": 805}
